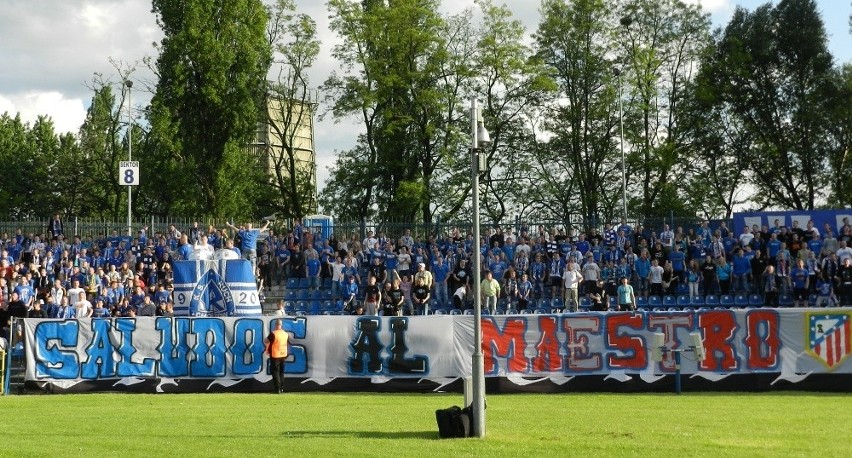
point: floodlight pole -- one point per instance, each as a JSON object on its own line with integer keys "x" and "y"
{"x": 129, "y": 85}
{"x": 477, "y": 366}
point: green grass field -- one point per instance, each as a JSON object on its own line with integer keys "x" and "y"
{"x": 321, "y": 424}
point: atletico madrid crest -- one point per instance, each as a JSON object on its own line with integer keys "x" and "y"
{"x": 829, "y": 337}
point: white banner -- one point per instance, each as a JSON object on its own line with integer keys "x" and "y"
{"x": 793, "y": 342}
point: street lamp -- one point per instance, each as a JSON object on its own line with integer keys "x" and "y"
{"x": 479, "y": 139}
{"x": 129, "y": 85}
{"x": 625, "y": 22}
{"x": 617, "y": 72}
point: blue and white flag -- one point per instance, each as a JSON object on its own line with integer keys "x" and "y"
{"x": 215, "y": 288}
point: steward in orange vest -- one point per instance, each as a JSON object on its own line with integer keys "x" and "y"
{"x": 276, "y": 348}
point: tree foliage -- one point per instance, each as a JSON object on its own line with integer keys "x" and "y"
{"x": 291, "y": 104}
{"x": 770, "y": 72}
{"x": 212, "y": 70}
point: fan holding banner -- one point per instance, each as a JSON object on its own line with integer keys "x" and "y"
{"x": 220, "y": 287}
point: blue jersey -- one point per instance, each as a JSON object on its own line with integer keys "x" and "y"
{"x": 643, "y": 267}
{"x": 249, "y": 239}
{"x": 313, "y": 266}
{"x": 678, "y": 261}
{"x": 799, "y": 277}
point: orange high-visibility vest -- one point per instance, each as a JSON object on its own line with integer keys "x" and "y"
{"x": 278, "y": 347}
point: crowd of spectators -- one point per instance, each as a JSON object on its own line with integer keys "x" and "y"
{"x": 49, "y": 275}
{"x": 53, "y": 276}
{"x": 567, "y": 267}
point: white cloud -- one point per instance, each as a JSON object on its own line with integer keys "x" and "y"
{"x": 713, "y": 6}
{"x": 67, "y": 113}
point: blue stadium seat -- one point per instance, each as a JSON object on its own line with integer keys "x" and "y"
{"x": 292, "y": 283}
{"x": 558, "y": 304}
{"x": 684, "y": 301}
{"x": 303, "y": 295}
{"x": 543, "y": 304}
{"x": 455, "y": 312}
{"x": 326, "y": 283}
{"x": 444, "y": 312}
{"x": 328, "y": 307}
{"x": 470, "y": 311}
{"x": 682, "y": 288}
{"x": 755, "y": 300}
{"x": 289, "y": 308}
{"x": 315, "y": 308}
{"x": 290, "y": 295}
{"x": 302, "y": 308}
{"x": 726, "y": 300}
{"x": 741, "y": 300}
{"x": 641, "y": 302}
{"x": 785, "y": 300}
{"x": 669, "y": 301}
{"x": 654, "y": 301}
{"x": 526, "y": 311}
{"x": 304, "y": 283}
{"x": 511, "y": 311}
{"x": 700, "y": 301}
{"x": 317, "y": 295}
{"x": 812, "y": 300}
{"x": 585, "y": 303}
{"x": 711, "y": 300}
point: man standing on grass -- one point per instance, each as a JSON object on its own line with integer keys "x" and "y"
{"x": 276, "y": 348}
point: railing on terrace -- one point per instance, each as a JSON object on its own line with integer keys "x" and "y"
{"x": 97, "y": 228}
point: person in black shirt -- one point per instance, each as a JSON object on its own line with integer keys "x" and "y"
{"x": 372, "y": 297}
{"x": 37, "y": 311}
{"x": 460, "y": 276}
{"x": 708, "y": 274}
{"x": 397, "y": 298}
{"x": 420, "y": 296}
{"x": 596, "y": 294}
{"x": 387, "y": 306}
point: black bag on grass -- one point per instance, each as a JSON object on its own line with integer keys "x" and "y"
{"x": 453, "y": 422}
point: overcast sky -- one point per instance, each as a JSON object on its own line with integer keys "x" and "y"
{"x": 50, "y": 49}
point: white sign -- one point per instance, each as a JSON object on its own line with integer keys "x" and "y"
{"x": 128, "y": 173}
{"x": 791, "y": 342}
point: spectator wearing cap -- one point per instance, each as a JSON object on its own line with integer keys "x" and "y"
{"x": 424, "y": 274}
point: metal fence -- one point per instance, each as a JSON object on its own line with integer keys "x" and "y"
{"x": 98, "y": 228}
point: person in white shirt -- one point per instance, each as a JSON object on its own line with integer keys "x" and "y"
{"x": 201, "y": 251}
{"x": 57, "y": 292}
{"x": 82, "y": 307}
{"x": 746, "y": 237}
{"x": 403, "y": 262}
{"x": 571, "y": 281}
{"x": 591, "y": 271}
{"x": 843, "y": 252}
{"x": 655, "y": 277}
{"x": 74, "y": 293}
{"x": 280, "y": 310}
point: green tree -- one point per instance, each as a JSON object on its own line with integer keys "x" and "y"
{"x": 574, "y": 39}
{"x": 211, "y": 85}
{"x": 771, "y": 72}
{"x": 661, "y": 46}
{"x": 513, "y": 83}
{"x": 97, "y": 191}
{"x": 291, "y": 104}
{"x": 840, "y": 159}
{"x": 27, "y": 154}
{"x": 394, "y": 60}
